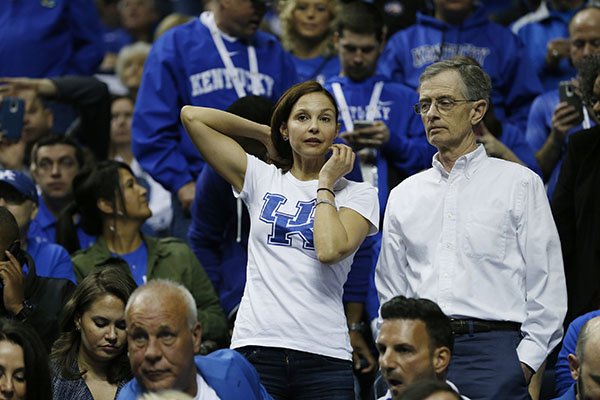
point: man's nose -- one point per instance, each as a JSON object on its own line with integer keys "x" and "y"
{"x": 152, "y": 353}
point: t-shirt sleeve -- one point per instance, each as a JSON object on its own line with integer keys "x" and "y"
{"x": 363, "y": 199}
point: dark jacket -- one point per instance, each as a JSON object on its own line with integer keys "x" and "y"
{"x": 576, "y": 210}
{"x": 48, "y": 297}
{"x": 168, "y": 258}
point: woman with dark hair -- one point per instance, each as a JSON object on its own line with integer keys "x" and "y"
{"x": 89, "y": 359}
{"x": 307, "y": 222}
{"x": 114, "y": 206}
{"x": 23, "y": 362}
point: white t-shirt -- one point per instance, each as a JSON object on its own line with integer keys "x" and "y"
{"x": 291, "y": 300}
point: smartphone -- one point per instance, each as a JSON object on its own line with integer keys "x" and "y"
{"x": 361, "y": 123}
{"x": 17, "y": 252}
{"x": 11, "y": 118}
{"x": 567, "y": 94}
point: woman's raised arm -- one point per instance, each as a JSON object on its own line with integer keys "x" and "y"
{"x": 211, "y": 131}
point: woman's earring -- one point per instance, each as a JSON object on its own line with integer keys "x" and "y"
{"x": 285, "y": 138}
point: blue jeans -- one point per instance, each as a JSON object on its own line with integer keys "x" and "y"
{"x": 486, "y": 366}
{"x": 291, "y": 374}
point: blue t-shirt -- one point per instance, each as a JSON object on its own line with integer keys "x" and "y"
{"x": 138, "y": 263}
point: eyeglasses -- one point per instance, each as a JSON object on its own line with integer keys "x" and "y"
{"x": 443, "y": 105}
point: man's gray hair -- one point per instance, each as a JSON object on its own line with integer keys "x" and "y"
{"x": 590, "y": 329}
{"x": 477, "y": 85}
{"x": 159, "y": 287}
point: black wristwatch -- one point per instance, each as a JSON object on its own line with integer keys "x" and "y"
{"x": 25, "y": 311}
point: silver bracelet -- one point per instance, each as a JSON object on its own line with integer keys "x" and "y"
{"x": 325, "y": 201}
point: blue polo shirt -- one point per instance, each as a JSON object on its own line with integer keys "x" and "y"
{"x": 43, "y": 228}
{"x": 51, "y": 260}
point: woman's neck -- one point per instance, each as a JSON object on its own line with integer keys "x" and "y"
{"x": 122, "y": 236}
{"x": 93, "y": 369}
{"x": 307, "y": 169}
{"x": 123, "y": 151}
{"x": 306, "y": 49}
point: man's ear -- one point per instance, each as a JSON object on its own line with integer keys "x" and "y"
{"x": 441, "y": 360}
{"x": 478, "y": 111}
{"x": 573, "y": 366}
{"x": 197, "y": 337}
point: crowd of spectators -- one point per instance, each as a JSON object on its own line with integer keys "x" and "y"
{"x": 107, "y": 185}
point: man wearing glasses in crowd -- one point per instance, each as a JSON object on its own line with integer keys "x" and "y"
{"x": 475, "y": 234}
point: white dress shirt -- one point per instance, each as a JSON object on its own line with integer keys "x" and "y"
{"x": 481, "y": 242}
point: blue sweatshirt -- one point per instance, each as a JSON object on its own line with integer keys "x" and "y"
{"x": 184, "y": 67}
{"x": 50, "y": 38}
{"x": 407, "y": 149}
{"x": 496, "y": 48}
{"x": 317, "y": 68}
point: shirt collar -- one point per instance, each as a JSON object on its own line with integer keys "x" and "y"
{"x": 466, "y": 164}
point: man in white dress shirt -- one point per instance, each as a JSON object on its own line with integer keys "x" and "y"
{"x": 475, "y": 234}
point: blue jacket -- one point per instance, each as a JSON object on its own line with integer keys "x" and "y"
{"x": 564, "y": 380}
{"x": 539, "y": 125}
{"x": 544, "y": 25}
{"x": 184, "y": 68}
{"x": 51, "y": 260}
{"x": 496, "y": 48}
{"x": 407, "y": 148}
{"x": 43, "y": 228}
{"x": 570, "y": 394}
{"x": 512, "y": 136}
{"x": 226, "y": 371}
{"x": 218, "y": 235}
{"x": 318, "y": 68}
{"x": 50, "y": 38}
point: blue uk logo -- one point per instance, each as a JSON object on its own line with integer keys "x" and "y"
{"x": 285, "y": 226}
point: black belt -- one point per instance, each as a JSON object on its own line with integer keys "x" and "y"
{"x": 464, "y": 326}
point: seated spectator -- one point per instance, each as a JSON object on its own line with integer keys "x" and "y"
{"x": 51, "y": 105}
{"x": 30, "y": 298}
{"x": 576, "y": 202}
{"x": 55, "y": 160}
{"x": 18, "y": 194}
{"x": 114, "y": 206}
{"x": 429, "y": 390}
{"x": 23, "y": 362}
{"x": 163, "y": 311}
{"x": 89, "y": 359}
{"x": 415, "y": 343}
{"x": 551, "y": 121}
{"x": 463, "y": 29}
{"x": 545, "y": 33}
{"x": 307, "y": 28}
{"x": 159, "y": 198}
{"x": 50, "y": 38}
{"x": 585, "y": 364}
{"x": 564, "y": 380}
{"x": 130, "y": 66}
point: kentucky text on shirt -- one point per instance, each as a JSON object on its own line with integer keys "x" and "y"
{"x": 217, "y": 79}
{"x": 427, "y": 54}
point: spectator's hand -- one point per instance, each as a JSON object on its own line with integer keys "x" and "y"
{"x": 12, "y": 86}
{"x": 493, "y": 146}
{"x": 527, "y": 372}
{"x": 186, "y": 194}
{"x": 564, "y": 118}
{"x": 339, "y": 164}
{"x": 372, "y": 136}
{"x": 556, "y": 50}
{"x": 360, "y": 351}
{"x": 12, "y": 277}
{"x": 11, "y": 154}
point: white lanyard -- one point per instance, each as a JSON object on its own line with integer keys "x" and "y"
{"x": 209, "y": 21}
{"x": 343, "y": 105}
{"x": 587, "y": 124}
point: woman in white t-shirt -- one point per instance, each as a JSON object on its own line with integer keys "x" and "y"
{"x": 307, "y": 222}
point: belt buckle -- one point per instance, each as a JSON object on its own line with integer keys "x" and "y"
{"x": 460, "y": 324}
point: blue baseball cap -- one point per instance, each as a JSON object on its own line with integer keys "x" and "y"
{"x": 21, "y": 182}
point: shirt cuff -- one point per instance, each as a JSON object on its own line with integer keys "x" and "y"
{"x": 531, "y": 354}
